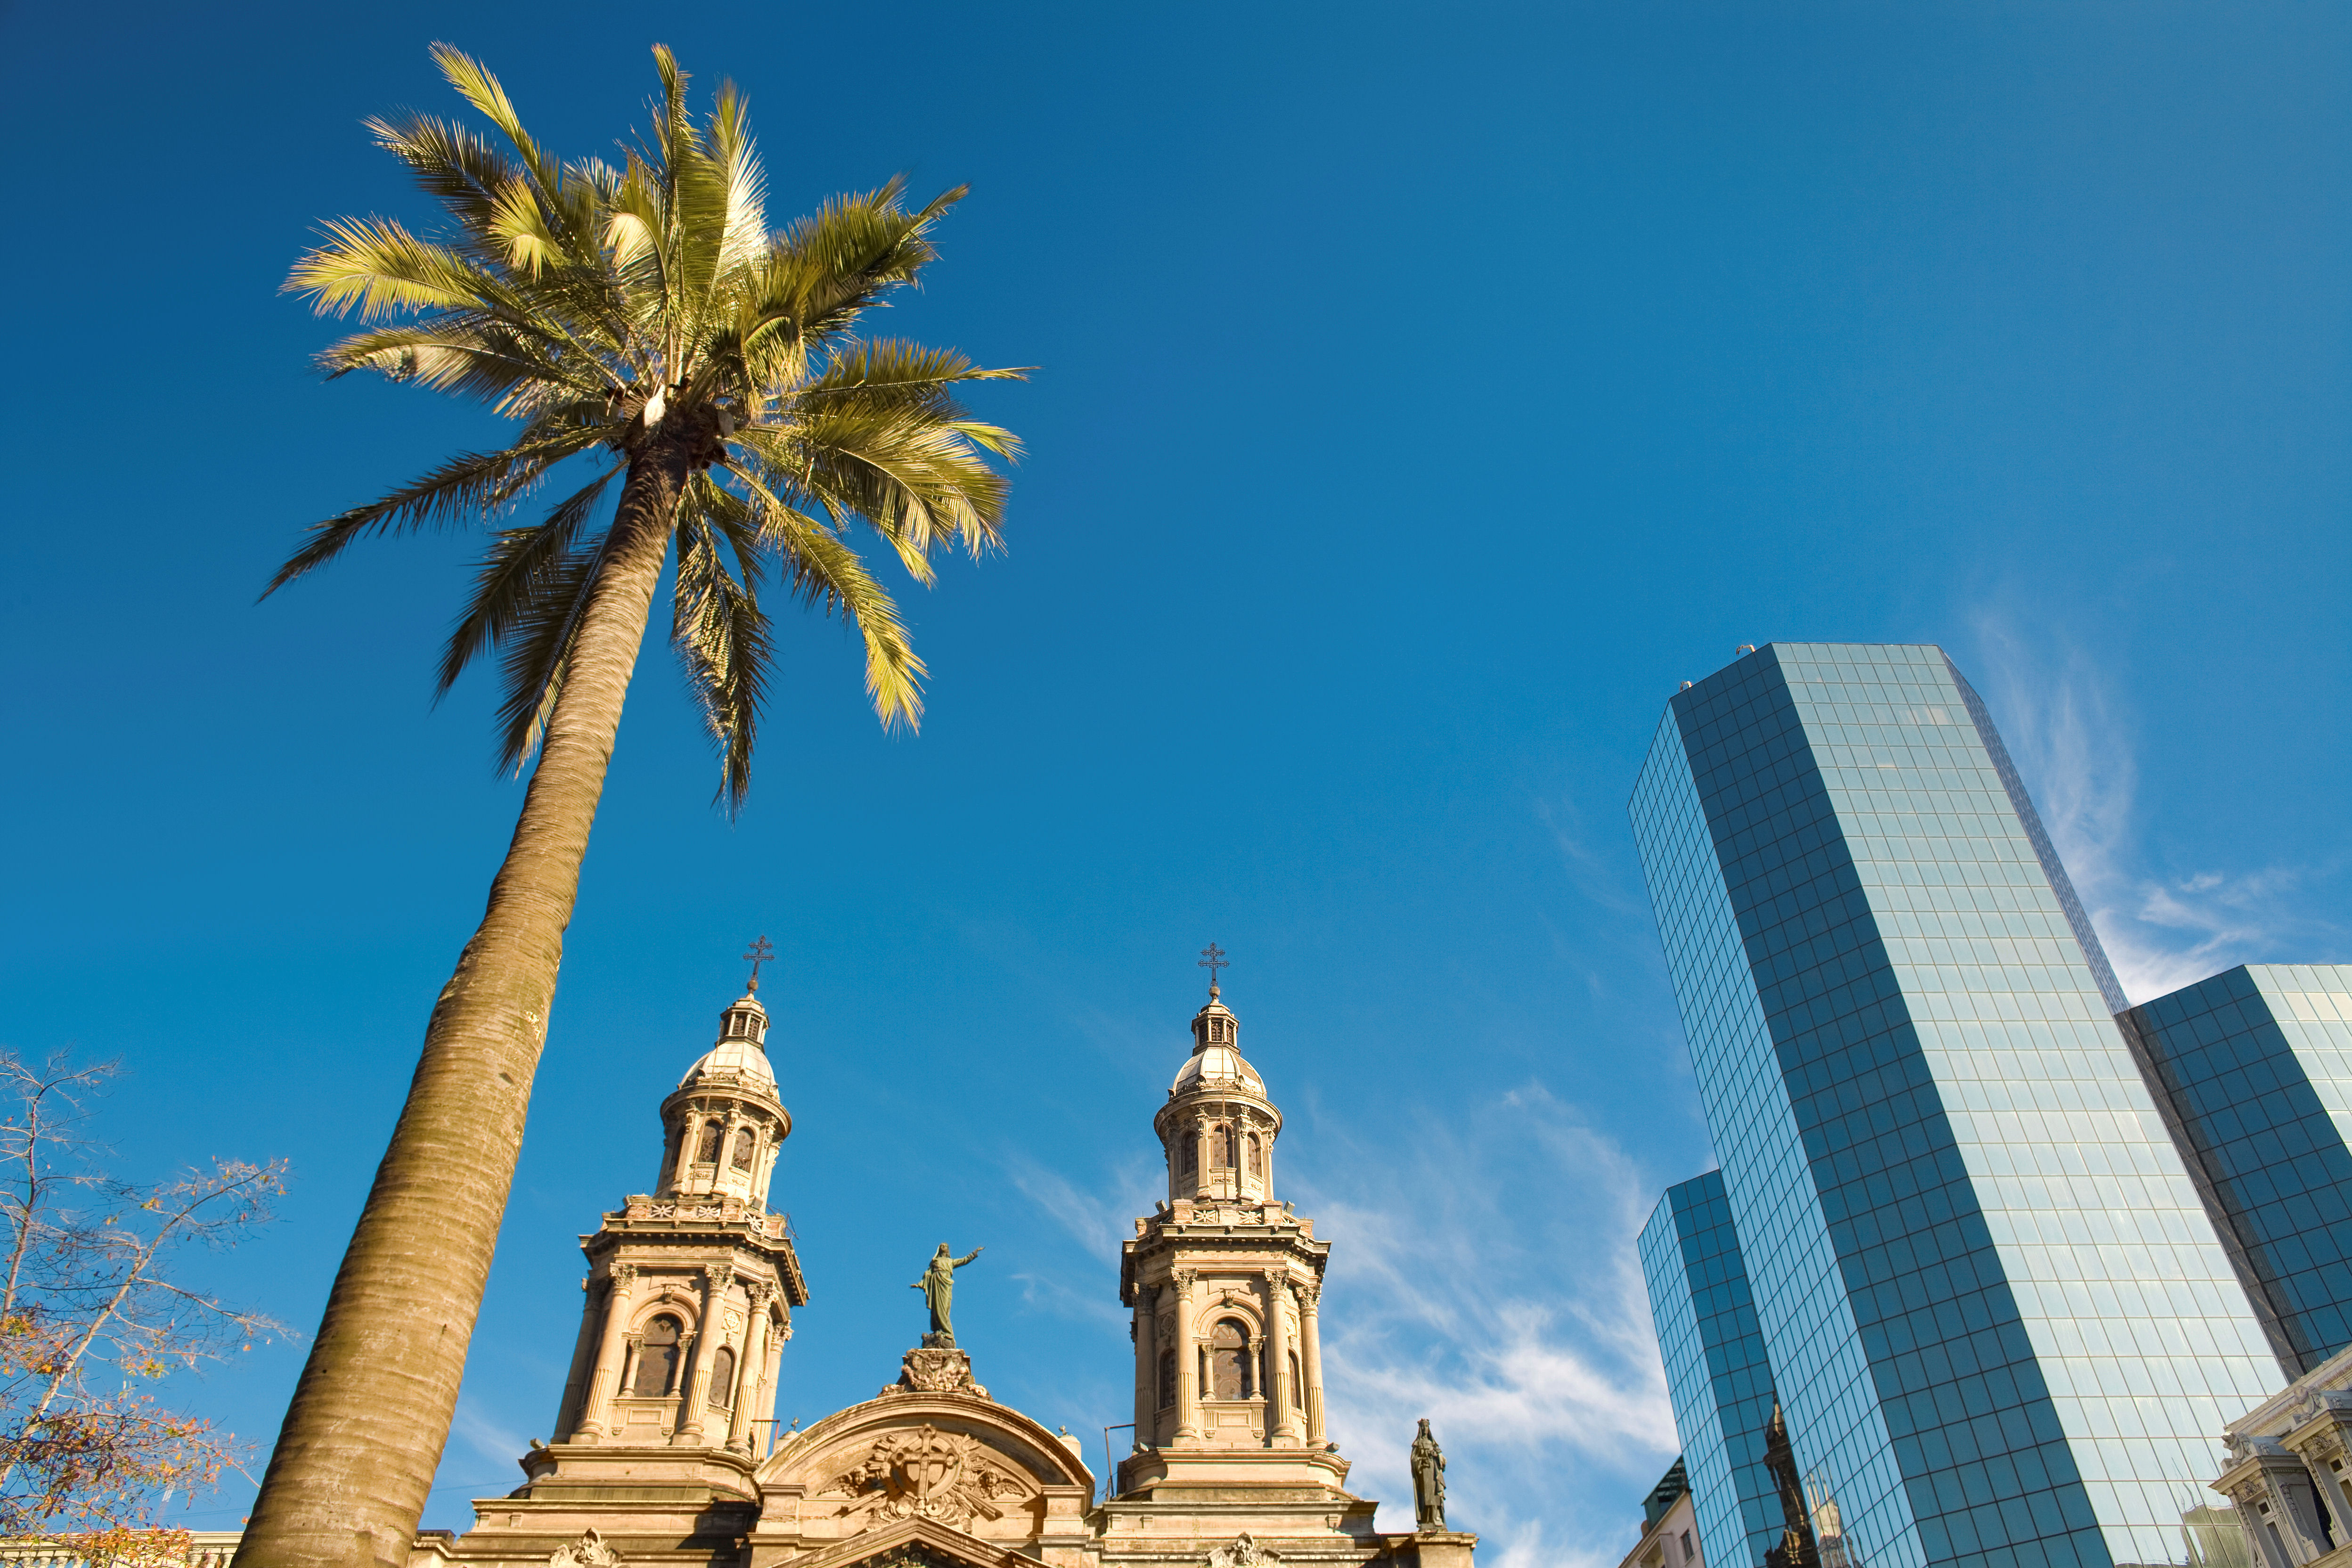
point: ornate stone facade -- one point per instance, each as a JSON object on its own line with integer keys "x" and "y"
{"x": 663, "y": 1455}
{"x": 2285, "y": 1456}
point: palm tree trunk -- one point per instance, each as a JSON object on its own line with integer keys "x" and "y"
{"x": 347, "y": 1482}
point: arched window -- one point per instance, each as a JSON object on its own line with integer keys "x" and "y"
{"x": 1257, "y": 1156}
{"x": 1188, "y": 1155}
{"x": 1167, "y": 1379}
{"x": 1221, "y": 1148}
{"x": 656, "y": 1359}
{"x": 743, "y": 1141}
{"x": 1229, "y": 1361}
{"x": 1297, "y": 1390}
{"x": 712, "y": 1136}
{"x": 722, "y": 1377}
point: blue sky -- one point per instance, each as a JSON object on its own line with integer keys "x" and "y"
{"x": 1421, "y": 397}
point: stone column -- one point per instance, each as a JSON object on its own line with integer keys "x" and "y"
{"x": 690, "y": 1130}
{"x": 1282, "y": 1424}
{"x": 1147, "y": 1366}
{"x": 715, "y": 1278}
{"x": 770, "y": 1373}
{"x": 1200, "y": 1158}
{"x": 1254, "y": 1362}
{"x": 605, "y": 1381}
{"x": 1311, "y": 1362}
{"x": 1187, "y": 1380}
{"x": 575, "y": 1377}
{"x": 746, "y": 1368}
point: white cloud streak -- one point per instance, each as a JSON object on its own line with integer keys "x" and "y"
{"x": 1486, "y": 1277}
{"x": 2078, "y": 758}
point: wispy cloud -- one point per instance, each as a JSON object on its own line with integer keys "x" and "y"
{"x": 489, "y": 1437}
{"x": 1097, "y": 1219}
{"x": 1485, "y": 1277}
{"x": 2078, "y": 757}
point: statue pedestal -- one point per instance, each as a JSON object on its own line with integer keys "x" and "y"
{"x": 935, "y": 1369}
{"x": 1442, "y": 1548}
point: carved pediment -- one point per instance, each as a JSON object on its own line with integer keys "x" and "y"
{"x": 924, "y": 1473}
{"x": 914, "y": 1544}
{"x": 1244, "y": 1553}
{"x": 590, "y": 1550}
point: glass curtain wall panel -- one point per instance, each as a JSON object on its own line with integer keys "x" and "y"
{"x": 2002, "y": 1328}
{"x": 1717, "y": 1373}
{"x": 2254, "y": 1066}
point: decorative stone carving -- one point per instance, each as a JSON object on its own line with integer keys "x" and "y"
{"x": 928, "y": 1474}
{"x": 936, "y": 1370}
{"x": 1244, "y": 1553}
{"x": 589, "y": 1552}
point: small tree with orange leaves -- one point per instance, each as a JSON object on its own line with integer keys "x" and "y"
{"x": 90, "y": 1319}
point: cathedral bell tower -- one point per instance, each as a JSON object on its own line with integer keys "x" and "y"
{"x": 1225, "y": 1283}
{"x": 691, "y": 1285}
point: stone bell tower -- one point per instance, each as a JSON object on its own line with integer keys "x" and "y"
{"x": 671, "y": 1397}
{"x": 1225, "y": 1283}
{"x": 691, "y": 1285}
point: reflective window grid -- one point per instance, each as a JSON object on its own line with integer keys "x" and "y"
{"x": 1717, "y": 1373}
{"x": 2003, "y": 1330}
{"x": 2256, "y": 1067}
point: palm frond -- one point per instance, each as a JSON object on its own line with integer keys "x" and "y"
{"x": 470, "y": 485}
{"x": 516, "y": 571}
{"x": 482, "y": 89}
{"x": 379, "y": 268}
{"x": 828, "y": 268}
{"x": 450, "y": 163}
{"x": 820, "y": 569}
{"x": 470, "y": 356}
{"x": 537, "y": 658}
{"x": 720, "y": 633}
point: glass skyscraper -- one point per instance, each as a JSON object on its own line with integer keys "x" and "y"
{"x": 2001, "y": 1327}
{"x": 2255, "y": 1069}
{"x": 1717, "y": 1373}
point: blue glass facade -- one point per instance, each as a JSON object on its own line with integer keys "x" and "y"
{"x": 2000, "y": 1324}
{"x": 2254, "y": 1067}
{"x": 1717, "y": 1374}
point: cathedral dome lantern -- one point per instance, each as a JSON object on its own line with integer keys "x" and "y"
{"x": 725, "y": 1125}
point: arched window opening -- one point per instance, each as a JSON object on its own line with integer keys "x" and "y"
{"x": 743, "y": 1141}
{"x": 722, "y": 1377}
{"x": 1167, "y": 1379}
{"x": 1221, "y": 1148}
{"x": 1187, "y": 1156}
{"x": 713, "y": 1134}
{"x": 1256, "y": 1157}
{"x": 1297, "y": 1391}
{"x": 1229, "y": 1361}
{"x": 657, "y": 1358}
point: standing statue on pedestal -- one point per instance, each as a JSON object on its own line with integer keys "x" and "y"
{"x": 937, "y": 1286}
{"x": 1428, "y": 1480}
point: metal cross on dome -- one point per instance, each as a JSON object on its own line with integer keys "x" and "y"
{"x": 760, "y": 952}
{"x": 1212, "y": 957}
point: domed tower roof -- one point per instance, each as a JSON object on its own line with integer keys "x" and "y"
{"x": 1216, "y": 1063}
{"x": 742, "y": 1053}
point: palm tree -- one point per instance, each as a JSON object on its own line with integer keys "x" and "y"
{"x": 645, "y": 320}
